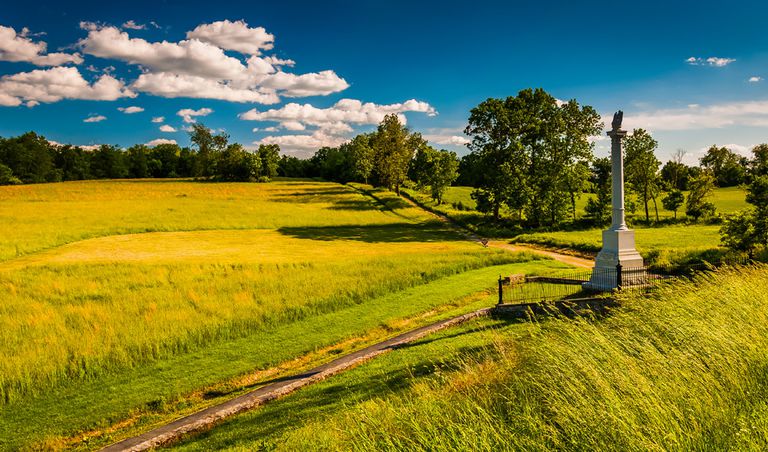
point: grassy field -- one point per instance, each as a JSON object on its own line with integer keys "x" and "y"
{"x": 684, "y": 370}
{"x": 127, "y": 298}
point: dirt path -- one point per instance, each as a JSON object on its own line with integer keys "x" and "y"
{"x": 210, "y": 416}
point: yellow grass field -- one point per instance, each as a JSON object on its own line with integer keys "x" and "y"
{"x": 113, "y": 274}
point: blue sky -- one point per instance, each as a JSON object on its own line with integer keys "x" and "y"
{"x": 429, "y": 61}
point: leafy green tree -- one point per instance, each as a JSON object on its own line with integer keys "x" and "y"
{"x": 469, "y": 171}
{"x": 109, "y": 162}
{"x": 758, "y": 166}
{"x": 436, "y": 170}
{"x": 234, "y": 163}
{"x": 167, "y": 154}
{"x": 673, "y": 201}
{"x": 675, "y": 173}
{"x": 598, "y": 209}
{"x": 696, "y": 204}
{"x": 291, "y": 166}
{"x": 738, "y": 232}
{"x": 209, "y": 148}
{"x": 186, "y": 166}
{"x": 73, "y": 161}
{"x": 362, "y": 156}
{"x": 269, "y": 156}
{"x": 642, "y": 167}
{"x": 394, "y": 146}
{"x": 138, "y": 166}
{"x": 333, "y": 164}
{"x": 726, "y": 166}
{"x": 7, "y": 177}
{"x": 30, "y": 157}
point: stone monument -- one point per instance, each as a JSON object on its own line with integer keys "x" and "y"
{"x": 618, "y": 240}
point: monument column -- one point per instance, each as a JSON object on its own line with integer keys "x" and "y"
{"x": 618, "y": 240}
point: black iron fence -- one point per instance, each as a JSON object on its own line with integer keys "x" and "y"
{"x": 593, "y": 283}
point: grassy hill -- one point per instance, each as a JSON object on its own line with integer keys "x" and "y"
{"x": 681, "y": 370}
{"x": 126, "y": 303}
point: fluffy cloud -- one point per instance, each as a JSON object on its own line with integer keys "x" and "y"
{"x": 696, "y": 117}
{"x": 711, "y": 61}
{"x": 98, "y": 118}
{"x": 312, "y": 84}
{"x": 158, "y": 119}
{"x": 189, "y": 115}
{"x": 447, "y": 140}
{"x": 755, "y": 79}
{"x": 131, "y": 25}
{"x": 55, "y": 84}
{"x": 303, "y": 145}
{"x": 186, "y": 57}
{"x": 158, "y": 141}
{"x": 19, "y": 48}
{"x": 235, "y": 36}
{"x": 339, "y": 116}
{"x": 167, "y": 128}
{"x": 167, "y": 84}
{"x": 130, "y": 110}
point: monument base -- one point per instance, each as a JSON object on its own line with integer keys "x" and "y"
{"x": 618, "y": 248}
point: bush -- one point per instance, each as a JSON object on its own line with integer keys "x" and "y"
{"x": 7, "y": 177}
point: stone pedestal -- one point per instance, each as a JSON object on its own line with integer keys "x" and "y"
{"x": 618, "y": 240}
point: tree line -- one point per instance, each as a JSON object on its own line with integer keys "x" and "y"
{"x": 30, "y": 158}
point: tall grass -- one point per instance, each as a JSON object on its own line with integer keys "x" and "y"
{"x": 684, "y": 369}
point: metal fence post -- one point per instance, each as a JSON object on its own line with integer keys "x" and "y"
{"x": 618, "y": 275}
{"x": 501, "y": 289}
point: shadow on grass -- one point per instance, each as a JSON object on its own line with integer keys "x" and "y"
{"x": 433, "y": 231}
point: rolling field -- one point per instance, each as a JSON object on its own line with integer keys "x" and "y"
{"x": 683, "y": 370}
{"x": 122, "y": 300}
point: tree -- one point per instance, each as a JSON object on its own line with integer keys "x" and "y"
{"x": 362, "y": 156}
{"x": 436, "y": 170}
{"x": 7, "y": 177}
{"x": 269, "y": 155}
{"x": 236, "y": 164}
{"x": 738, "y": 232}
{"x": 675, "y": 173}
{"x": 758, "y": 166}
{"x": 757, "y": 195}
{"x": 599, "y": 208}
{"x": 109, "y": 162}
{"x": 394, "y": 146}
{"x": 167, "y": 156}
{"x": 642, "y": 167}
{"x": 73, "y": 161}
{"x": 696, "y": 205}
{"x": 673, "y": 201}
{"x": 209, "y": 148}
{"x": 291, "y": 166}
{"x": 726, "y": 166}
{"x": 469, "y": 171}
{"x": 30, "y": 157}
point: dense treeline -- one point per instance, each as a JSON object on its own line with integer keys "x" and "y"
{"x": 30, "y": 158}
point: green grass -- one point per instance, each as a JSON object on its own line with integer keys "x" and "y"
{"x": 681, "y": 370}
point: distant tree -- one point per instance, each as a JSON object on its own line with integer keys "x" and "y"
{"x": 362, "y": 156}
{"x": 598, "y": 209}
{"x": 109, "y": 162}
{"x": 73, "y": 161}
{"x": 269, "y": 156}
{"x": 726, "y": 166}
{"x": 234, "y": 163}
{"x": 394, "y": 146}
{"x": 469, "y": 171}
{"x": 167, "y": 156}
{"x": 209, "y": 148}
{"x": 738, "y": 232}
{"x": 436, "y": 170}
{"x": 291, "y": 166}
{"x": 673, "y": 201}
{"x": 675, "y": 173}
{"x": 696, "y": 204}
{"x": 138, "y": 166}
{"x": 757, "y": 195}
{"x": 758, "y": 166}
{"x": 186, "y": 165}
{"x": 7, "y": 177}
{"x": 332, "y": 164}
{"x": 30, "y": 157}
{"x": 642, "y": 167}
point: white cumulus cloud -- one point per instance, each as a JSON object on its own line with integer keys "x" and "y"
{"x": 189, "y": 115}
{"x": 755, "y": 79}
{"x": 17, "y": 47}
{"x": 167, "y": 128}
{"x": 158, "y": 141}
{"x": 158, "y": 119}
{"x": 303, "y": 145}
{"x": 699, "y": 117}
{"x": 166, "y": 84}
{"x": 97, "y": 118}
{"x": 131, "y": 25}
{"x": 237, "y": 36}
{"x": 130, "y": 110}
{"x": 710, "y": 61}
{"x": 55, "y": 84}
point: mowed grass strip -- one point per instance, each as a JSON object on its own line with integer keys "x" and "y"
{"x": 154, "y": 392}
{"x": 41, "y": 216}
{"x": 683, "y": 369}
